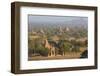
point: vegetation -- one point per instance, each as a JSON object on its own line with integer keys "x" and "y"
{"x": 64, "y": 46}
{"x": 59, "y": 42}
{"x": 42, "y": 51}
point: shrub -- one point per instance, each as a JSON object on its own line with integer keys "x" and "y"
{"x": 84, "y": 54}
{"x": 42, "y": 50}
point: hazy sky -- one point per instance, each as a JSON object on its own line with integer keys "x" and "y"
{"x": 65, "y": 20}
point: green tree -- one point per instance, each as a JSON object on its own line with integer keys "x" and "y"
{"x": 42, "y": 50}
{"x": 64, "y": 46}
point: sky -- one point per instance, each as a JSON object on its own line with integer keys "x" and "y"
{"x": 47, "y": 20}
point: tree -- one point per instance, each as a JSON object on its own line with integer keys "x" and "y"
{"x": 76, "y": 49}
{"x": 64, "y": 47}
{"x": 76, "y": 45}
{"x": 30, "y": 46}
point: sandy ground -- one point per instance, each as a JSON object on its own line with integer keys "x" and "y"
{"x": 67, "y": 56}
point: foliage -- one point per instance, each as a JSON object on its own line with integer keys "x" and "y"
{"x": 35, "y": 46}
{"x": 84, "y": 54}
{"x": 42, "y": 51}
{"x": 64, "y": 46}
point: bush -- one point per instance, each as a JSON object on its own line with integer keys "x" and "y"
{"x": 84, "y": 54}
{"x": 42, "y": 51}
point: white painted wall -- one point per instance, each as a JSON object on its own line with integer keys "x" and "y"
{"x": 5, "y": 42}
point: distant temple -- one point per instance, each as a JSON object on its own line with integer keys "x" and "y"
{"x": 61, "y": 30}
{"x": 42, "y": 31}
{"x": 66, "y": 29}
